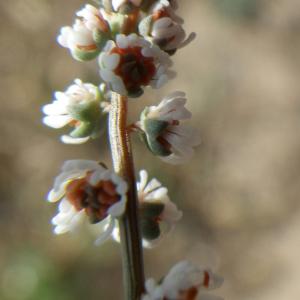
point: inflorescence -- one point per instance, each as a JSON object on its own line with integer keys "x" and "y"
{"x": 133, "y": 42}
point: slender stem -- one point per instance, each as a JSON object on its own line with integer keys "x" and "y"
{"x": 133, "y": 267}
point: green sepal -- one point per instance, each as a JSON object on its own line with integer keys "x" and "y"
{"x": 151, "y": 210}
{"x": 100, "y": 38}
{"x": 99, "y": 126}
{"x": 83, "y": 130}
{"x": 150, "y": 229}
{"x": 154, "y": 127}
{"x": 82, "y": 55}
{"x": 86, "y": 112}
{"x": 157, "y": 148}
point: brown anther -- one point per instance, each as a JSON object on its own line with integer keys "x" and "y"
{"x": 206, "y": 279}
{"x": 95, "y": 200}
{"x": 87, "y": 48}
{"x": 104, "y": 27}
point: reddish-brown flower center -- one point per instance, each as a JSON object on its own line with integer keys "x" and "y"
{"x": 95, "y": 200}
{"x": 135, "y": 69}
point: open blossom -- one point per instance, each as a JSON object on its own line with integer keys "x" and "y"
{"x": 78, "y": 107}
{"x": 131, "y": 63}
{"x": 184, "y": 282}
{"x": 164, "y": 28}
{"x": 157, "y": 213}
{"x": 86, "y": 190}
{"x": 87, "y": 35}
{"x": 163, "y": 132}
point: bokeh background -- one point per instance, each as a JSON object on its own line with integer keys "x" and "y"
{"x": 240, "y": 193}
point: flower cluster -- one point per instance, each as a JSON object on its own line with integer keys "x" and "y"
{"x": 184, "y": 282}
{"x": 133, "y": 42}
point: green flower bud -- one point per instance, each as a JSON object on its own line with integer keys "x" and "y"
{"x": 83, "y": 55}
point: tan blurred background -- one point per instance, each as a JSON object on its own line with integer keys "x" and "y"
{"x": 240, "y": 193}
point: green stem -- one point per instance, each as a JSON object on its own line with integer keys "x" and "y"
{"x": 132, "y": 255}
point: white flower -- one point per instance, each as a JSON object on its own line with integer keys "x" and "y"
{"x": 93, "y": 18}
{"x": 78, "y": 39}
{"x": 164, "y": 133}
{"x": 86, "y": 190}
{"x": 164, "y": 28}
{"x": 79, "y": 107}
{"x": 158, "y": 215}
{"x": 118, "y": 3}
{"x": 88, "y": 34}
{"x": 131, "y": 63}
{"x": 184, "y": 282}
{"x": 156, "y": 208}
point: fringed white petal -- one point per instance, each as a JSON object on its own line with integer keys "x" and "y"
{"x": 66, "y": 139}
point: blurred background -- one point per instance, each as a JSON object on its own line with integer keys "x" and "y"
{"x": 240, "y": 193}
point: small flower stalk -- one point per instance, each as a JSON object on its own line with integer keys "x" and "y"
{"x": 132, "y": 43}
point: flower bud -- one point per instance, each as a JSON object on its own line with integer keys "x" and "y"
{"x": 80, "y": 108}
{"x": 164, "y": 28}
{"x": 87, "y": 36}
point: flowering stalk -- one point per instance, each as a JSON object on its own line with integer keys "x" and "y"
{"x": 133, "y": 41}
{"x": 133, "y": 271}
